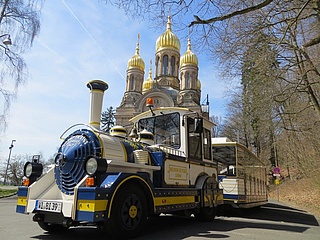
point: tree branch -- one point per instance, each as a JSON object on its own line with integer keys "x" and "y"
{"x": 233, "y": 14}
{"x": 5, "y": 4}
{"x": 312, "y": 42}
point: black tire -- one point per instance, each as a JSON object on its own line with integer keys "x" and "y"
{"x": 52, "y": 227}
{"x": 206, "y": 214}
{"x": 128, "y": 213}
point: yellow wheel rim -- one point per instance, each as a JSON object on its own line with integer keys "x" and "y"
{"x": 133, "y": 211}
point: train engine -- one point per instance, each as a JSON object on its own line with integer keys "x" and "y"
{"x": 116, "y": 180}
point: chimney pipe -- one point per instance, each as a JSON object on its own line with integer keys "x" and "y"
{"x": 97, "y": 88}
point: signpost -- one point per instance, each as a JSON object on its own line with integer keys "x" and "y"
{"x": 276, "y": 173}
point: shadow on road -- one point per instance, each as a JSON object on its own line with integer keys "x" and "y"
{"x": 282, "y": 213}
{"x": 272, "y": 216}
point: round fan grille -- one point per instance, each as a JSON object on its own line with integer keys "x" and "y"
{"x": 72, "y": 153}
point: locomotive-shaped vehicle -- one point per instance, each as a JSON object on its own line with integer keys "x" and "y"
{"x": 115, "y": 181}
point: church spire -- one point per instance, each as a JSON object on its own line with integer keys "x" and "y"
{"x": 148, "y": 83}
{"x": 136, "y": 61}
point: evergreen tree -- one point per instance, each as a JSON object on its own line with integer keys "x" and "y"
{"x": 259, "y": 71}
{"x": 107, "y": 119}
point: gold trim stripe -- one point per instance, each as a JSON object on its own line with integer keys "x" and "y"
{"x": 163, "y": 201}
{"x": 22, "y": 201}
{"x": 97, "y": 90}
{"x": 92, "y": 123}
{"x": 92, "y": 205}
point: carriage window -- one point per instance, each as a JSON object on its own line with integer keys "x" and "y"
{"x": 165, "y": 128}
{"x": 194, "y": 141}
{"x": 207, "y": 144}
{"x": 224, "y": 154}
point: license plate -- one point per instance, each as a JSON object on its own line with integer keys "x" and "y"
{"x": 49, "y": 206}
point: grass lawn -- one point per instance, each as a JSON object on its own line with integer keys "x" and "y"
{"x": 7, "y": 192}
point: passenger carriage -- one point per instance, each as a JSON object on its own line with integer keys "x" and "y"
{"x": 242, "y": 175}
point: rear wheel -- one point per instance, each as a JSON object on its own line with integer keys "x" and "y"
{"x": 51, "y": 227}
{"x": 206, "y": 214}
{"x": 129, "y": 212}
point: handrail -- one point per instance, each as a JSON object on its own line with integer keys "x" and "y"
{"x": 169, "y": 149}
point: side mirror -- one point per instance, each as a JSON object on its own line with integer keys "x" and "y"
{"x": 198, "y": 125}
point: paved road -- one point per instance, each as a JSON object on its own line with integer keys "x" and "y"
{"x": 274, "y": 221}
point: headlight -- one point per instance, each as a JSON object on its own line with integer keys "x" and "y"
{"x": 28, "y": 169}
{"x": 94, "y": 166}
{"x": 33, "y": 169}
{"x": 91, "y": 166}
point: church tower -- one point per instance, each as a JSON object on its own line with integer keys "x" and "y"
{"x": 135, "y": 73}
{"x": 134, "y": 82}
{"x": 167, "y": 58}
{"x": 167, "y": 88}
{"x": 190, "y": 87}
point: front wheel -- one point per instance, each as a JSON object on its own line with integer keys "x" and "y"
{"x": 128, "y": 213}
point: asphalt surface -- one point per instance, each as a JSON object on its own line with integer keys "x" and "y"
{"x": 273, "y": 221}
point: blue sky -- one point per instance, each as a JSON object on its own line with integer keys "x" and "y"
{"x": 80, "y": 41}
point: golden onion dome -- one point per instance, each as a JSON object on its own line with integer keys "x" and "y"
{"x": 168, "y": 39}
{"x": 136, "y": 61}
{"x": 189, "y": 58}
{"x": 147, "y": 84}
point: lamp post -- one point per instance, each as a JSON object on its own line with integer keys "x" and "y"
{"x": 10, "y": 149}
{"x": 7, "y": 41}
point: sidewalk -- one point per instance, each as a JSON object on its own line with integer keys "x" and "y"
{"x": 7, "y": 187}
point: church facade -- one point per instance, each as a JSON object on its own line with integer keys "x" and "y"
{"x": 175, "y": 83}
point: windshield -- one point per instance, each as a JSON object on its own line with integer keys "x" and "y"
{"x": 165, "y": 128}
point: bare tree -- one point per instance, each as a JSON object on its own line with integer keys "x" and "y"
{"x": 16, "y": 167}
{"x": 277, "y": 111}
{"x": 21, "y": 21}
{"x": 217, "y": 129}
{"x": 226, "y": 27}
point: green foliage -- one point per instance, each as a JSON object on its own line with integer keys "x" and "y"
{"x": 107, "y": 119}
{"x": 7, "y": 192}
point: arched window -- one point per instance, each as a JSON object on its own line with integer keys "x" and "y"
{"x": 181, "y": 85}
{"x": 173, "y": 66}
{"x": 187, "y": 80}
{"x": 193, "y": 81}
{"x": 165, "y": 65}
{"x": 140, "y": 84}
{"x": 158, "y": 66}
{"x": 131, "y": 83}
